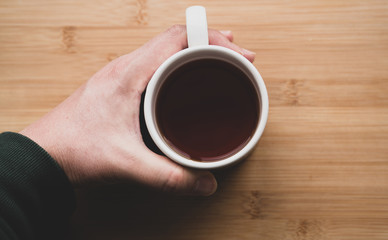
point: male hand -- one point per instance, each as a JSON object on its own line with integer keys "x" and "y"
{"x": 95, "y": 136}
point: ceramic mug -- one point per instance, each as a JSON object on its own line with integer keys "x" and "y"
{"x": 199, "y": 48}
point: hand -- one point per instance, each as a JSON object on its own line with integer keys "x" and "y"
{"x": 95, "y": 136}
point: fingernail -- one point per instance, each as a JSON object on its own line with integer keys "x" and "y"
{"x": 205, "y": 186}
{"x": 247, "y": 52}
{"x": 226, "y": 32}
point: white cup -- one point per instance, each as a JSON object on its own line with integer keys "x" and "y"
{"x": 199, "y": 48}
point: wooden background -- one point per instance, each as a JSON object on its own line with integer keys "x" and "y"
{"x": 321, "y": 168}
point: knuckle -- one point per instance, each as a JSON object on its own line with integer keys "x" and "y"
{"x": 176, "y": 29}
{"x": 112, "y": 70}
{"x": 174, "y": 180}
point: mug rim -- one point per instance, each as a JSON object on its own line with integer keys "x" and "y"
{"x": 151, "y": 95}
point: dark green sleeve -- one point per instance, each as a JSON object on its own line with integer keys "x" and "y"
{"x": 36, "y": 197}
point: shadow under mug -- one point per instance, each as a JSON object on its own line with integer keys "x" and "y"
{"x": 200, "y": 49}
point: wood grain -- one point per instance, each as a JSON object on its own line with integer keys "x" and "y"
{"x": 319, "y": 172}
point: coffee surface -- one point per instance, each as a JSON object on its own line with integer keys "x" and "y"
{"x": 207, "y": 110}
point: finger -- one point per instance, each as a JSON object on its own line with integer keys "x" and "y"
{"x": 218, "y": 38}
{"x": 159, "y": 172}
{"x": 228, "y": 34}
{"x": 142, "y": 63}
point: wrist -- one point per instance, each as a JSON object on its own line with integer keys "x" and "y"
{"x": 43, "y": 138}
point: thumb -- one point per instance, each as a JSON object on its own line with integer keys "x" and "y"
{"x": 160, "y": 172}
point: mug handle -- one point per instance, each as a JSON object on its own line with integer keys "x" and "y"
{"x": 196, "y": 25}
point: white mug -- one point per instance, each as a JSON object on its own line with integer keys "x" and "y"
{"x": 199, "y": 48}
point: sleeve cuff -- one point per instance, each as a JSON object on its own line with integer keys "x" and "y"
{"x": 36, "y": 196}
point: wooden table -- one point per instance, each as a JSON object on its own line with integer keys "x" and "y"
{"x": 321, "y": 168}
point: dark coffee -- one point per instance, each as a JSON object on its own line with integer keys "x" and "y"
{"x": 207, "y": 110}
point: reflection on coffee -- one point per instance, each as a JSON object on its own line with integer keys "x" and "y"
{"x": 207, "y": 110}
